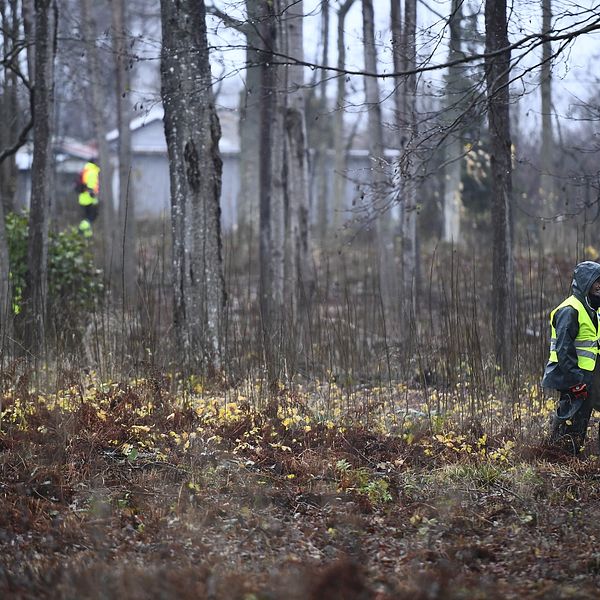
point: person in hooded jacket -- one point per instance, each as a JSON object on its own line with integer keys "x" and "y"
{"x": 572, "y": 368}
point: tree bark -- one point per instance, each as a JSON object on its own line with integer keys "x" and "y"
{"x": 250, "y": 125}
{"x": 382, "y": 218}
{"x": 192, "y": 130}
{"x": 126, "y": 236}
{"x": 8, "y": 174}
{"x": 547, "y": 142}
{"x": 284, "y": 249}
{"x": 99, "y": 102}
{"x": 36, "y": 280}
{"x": 453, "y": 148}
{"x": 409, "y": 251}
{"x": 340, "y": 162}
{"x": 9, "y": 105}
{"x": 268, "y": 106}
{"x": 298, "y": 272}
{"x": 323, "y": 137}
{"x": 497, "y": 79}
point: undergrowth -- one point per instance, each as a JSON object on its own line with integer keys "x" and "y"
{"x": 160, "y": 487}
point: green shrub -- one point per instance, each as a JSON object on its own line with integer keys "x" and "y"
{"x": 74, "y": 283}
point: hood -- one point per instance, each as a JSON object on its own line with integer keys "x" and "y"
{"x": 584, "y": 275}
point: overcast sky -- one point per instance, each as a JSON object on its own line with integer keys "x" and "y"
{"x": 576, "y": 74}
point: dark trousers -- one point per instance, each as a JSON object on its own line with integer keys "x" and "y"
{"x": 90, "y": 212}
{"x": 571, "y": 432}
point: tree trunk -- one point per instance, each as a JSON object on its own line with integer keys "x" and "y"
{"x": 5, "y": 290}
{"x": 250, "y": 127}
{"x": 323, "y": 137}
{"x": 192, "y": 130}
{"x": 29, "y": 10}
{"x": 409, "y": 252}
{"x": 283, "y": 178}
{"x": 298, "y": 272}
{"x": 8, "y": 174}
{"x": 268, "y": 104}
{"x": 383, "y": 225}
{"x": 453, "y": 148}
{"x": 9, "y": 106}
{"x": 497, "y": 79}
{"x": 99, "y": 102}
{"x": 36, "y": 280}
{"x": 340, "y": 162}
{"x": 547, "y": 142}
{"x": 125, "y": 238}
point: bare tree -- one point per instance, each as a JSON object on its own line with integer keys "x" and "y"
{"x": 99, "y": 118}
{"x": 295, "y": 171}
{"x": 454, "y": 145}
{"x": 9, "y": 101}
{"x": 408, "y": 180}
{"x": 192, "y": 130}
{"x": 12, "y": 137}
{"x": 497, "y": 65}
{"x": 384, "y": 231}
{"x": 322, "y": 134}
{"x": 36, "y": 280}
{"x": 272, "y": 219}
{"x": 547, "y": 141}
{"x": 126, "y": 211}
{"x": 339, "y": 144}
{"x": 248, "y": 201}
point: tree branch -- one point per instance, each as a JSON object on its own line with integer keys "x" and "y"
{"x": 534, "y": 40}
{"x": 240, "y": 26}
{"x": 22, "y": 139}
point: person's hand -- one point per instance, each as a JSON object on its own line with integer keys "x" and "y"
{"x": 579, "y": 391}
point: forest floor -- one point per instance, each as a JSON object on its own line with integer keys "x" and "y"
{"x": 125, "y": 491}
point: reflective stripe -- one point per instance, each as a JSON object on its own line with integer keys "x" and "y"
{"x": 586, "y": 343}
{"x": 580, "y": 343}
{"x": 588, "y": 337}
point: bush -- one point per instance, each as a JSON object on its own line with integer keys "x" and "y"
{"x": 74, "y": 283}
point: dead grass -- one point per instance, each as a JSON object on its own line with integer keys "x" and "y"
{"x": 128, "y": 491}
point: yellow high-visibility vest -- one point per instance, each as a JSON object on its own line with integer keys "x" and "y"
{"x": 91, "y": 179}
{"x": 586, "y": 342}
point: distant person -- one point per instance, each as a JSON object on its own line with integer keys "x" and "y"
{"x": 88, "y": 188}
{"x": 572, "y": 368}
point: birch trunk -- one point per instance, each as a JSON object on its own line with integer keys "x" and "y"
{"x": 192, "y": 130}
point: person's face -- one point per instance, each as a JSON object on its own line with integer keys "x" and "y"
{"x": 595, "y": 289}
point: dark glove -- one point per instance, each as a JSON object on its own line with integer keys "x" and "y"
{"x": 579, "y": 391}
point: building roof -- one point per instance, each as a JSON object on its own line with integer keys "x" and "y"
{"x": 64, "y": 149}
{"x": 153, "y": 144}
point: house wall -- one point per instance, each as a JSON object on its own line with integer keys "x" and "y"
{"x": 150, "y": 184}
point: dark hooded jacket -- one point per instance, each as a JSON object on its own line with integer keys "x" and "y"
{"x": 566, "y": 373}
